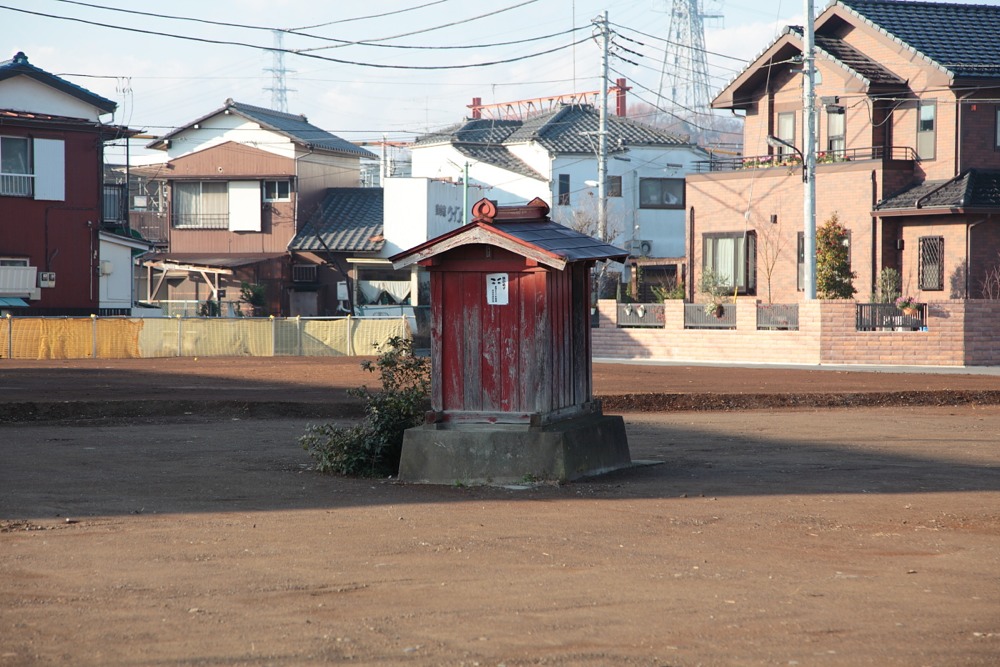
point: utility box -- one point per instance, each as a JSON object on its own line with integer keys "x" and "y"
{"x": 511, "y": 389}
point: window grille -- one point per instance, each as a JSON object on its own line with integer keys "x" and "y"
{"x": 931, "y": 266}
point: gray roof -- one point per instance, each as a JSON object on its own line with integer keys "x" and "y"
{"x": 570, "y": 129}
{"x": 348, "y": 220}
{"x": 19, "y": 66}
{"x": 855, "y": 61}
{"x": 976, "y": 188}
{"x": 569, "y": 244}
{"x": 295, "y": 127}
{"x": 962, "y": 38}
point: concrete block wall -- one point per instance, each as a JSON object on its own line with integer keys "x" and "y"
{"x": 959, "y": 333}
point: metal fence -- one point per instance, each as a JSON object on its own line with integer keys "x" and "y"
{"x": 695, "y": 317}
{"x": 887, "y": 317}
{"x": 126, "y": 337}
{"x": 778, "y": 316}
{"x": 641, "y": 315}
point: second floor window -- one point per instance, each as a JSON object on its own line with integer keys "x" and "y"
{"x": 661, "y": 193}
{"x": 563, "y": 190}
{"x": 15, "y": 167}
{"x": 277, "y": 190}
{"x": 926, "y": 129}
{"x": 836, "y": 131}
{"x": 931, "y": 263}
{"x": 201, "y": 205}
{"x": 786, "y": 132}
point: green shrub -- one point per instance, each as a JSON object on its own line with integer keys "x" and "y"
{"x": 373, "y": 447}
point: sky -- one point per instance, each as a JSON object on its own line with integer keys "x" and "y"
{"x": 164, "y": 70}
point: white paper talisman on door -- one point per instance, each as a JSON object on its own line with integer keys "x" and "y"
{"x": 496, "y": 289}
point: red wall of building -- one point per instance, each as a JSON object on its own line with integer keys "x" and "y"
{"x": 60, "y": 236}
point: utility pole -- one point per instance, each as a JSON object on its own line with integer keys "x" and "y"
{"x": 602, "y": 136}
{"x": 809, "y": 151}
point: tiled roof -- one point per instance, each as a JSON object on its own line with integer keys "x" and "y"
{"x": 19, "y": 66}
{"x": 299, "y": 129}
{"x": 568, "y": 129}
{"x": 962, "y": 38}
{"x": 569, "y": 244}
{"x": 855, "y": 61}
{"x": 976, "y": 188}
{"x": 348, "y": 220}
{"x": 499, "y": 156}
{"x": 573, "y": 129}
{"x": 296, "y": 128}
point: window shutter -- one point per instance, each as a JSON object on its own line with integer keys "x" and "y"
{"x": 244, "y": 206}
{"x": 50, "y": 169}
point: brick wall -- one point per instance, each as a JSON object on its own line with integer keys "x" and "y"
{"x": 959, "y": 333}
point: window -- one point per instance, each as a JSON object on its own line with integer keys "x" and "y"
{"x": 926, "y": 129}
{"x": 733, "y": 258}
{"x": 661, "y": 193}
{"x": 996, "y": 134}
{"x": 201, "y": 205}
{"x": 13, "y": 261}
{"x": 800, "y": 281}
{"x": 563, "y": 189}
{"x": 931, "y": 263}
{"x": 613, "y": 186}
{"x": 836, "y": 130}
{"x": 15, "y": 167}
{"x": 277, "y": 190}
{"x": 786, "y": 132}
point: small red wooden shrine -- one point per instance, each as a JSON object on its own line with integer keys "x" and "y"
{"x": 510, "y": 316}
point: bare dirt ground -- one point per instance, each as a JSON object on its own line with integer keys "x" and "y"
{"x": 160, "y": 512}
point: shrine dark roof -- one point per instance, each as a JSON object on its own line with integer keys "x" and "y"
{"x": 348, "y": 220}
{"x": 524, "y": 230}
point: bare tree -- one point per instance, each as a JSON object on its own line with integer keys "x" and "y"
{"x": 770, "y": 244}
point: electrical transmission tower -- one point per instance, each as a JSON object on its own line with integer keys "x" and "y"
{"x": 279, "y": 89}
{"x": 685, "y": 91}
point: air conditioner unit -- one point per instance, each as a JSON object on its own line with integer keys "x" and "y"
{"x": 641, "y": 248}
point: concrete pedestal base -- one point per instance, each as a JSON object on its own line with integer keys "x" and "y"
{"x": 502, "y": 454}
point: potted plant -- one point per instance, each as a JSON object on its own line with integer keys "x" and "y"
{"x": 717, "y": 289}
{"x": 908, "y": 305}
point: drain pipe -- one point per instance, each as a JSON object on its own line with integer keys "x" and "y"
{"x": 968, "y": 254}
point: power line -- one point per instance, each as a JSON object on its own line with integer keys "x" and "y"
{"x": 294, "y": 52}
{"x": 446, "y": 25}
{"x": 342, "y": 42}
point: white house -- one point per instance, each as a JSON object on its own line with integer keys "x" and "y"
{"x": 553, "y": 156}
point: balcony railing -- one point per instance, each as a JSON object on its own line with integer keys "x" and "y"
{"x": 17, "y": 185}
{"x": 200, "y": 220}
{"x": 152, "y": 225}
{"x": 822, "y": 157}
{"x": 17, "y": 280}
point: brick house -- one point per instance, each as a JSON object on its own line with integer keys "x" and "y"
{"x": 908, "y": 154}
{"x": 52, "y": 246}
{"x": 239, "y": 181}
